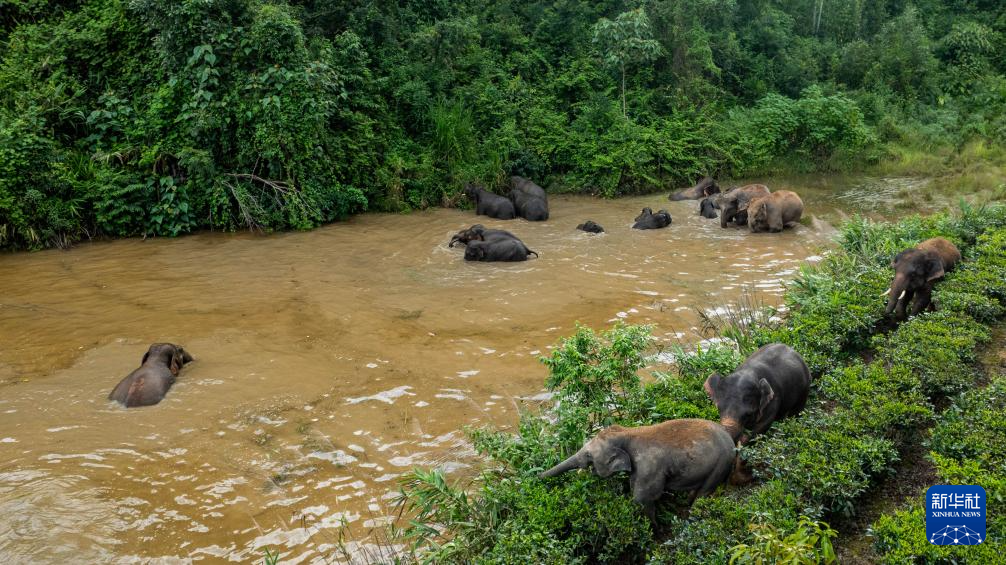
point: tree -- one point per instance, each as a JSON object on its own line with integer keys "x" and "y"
{"x": 626, "y": 40}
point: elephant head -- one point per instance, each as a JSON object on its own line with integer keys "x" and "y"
{"x": 604, "y": 453}
{"x": 913, "y": 270}
{"x": 740, "y": 399}
{"x": 475, "y": 232}
{"x": 173, "y": 356}
{"x": 646, "y": 212}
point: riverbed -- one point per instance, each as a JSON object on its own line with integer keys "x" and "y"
{"x": 328, "y": 363}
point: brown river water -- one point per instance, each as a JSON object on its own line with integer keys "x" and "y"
{"x": 328, "y": 363}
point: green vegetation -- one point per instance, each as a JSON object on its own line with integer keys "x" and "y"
{"x": 134, "y": 117}
{"x": 862, "y": 416}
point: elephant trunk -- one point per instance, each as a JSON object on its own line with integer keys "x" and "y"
{"x": 733, "y": 427}
{"x": 897, "y": 291}
{"x": 574, "y": 462}
{"x": 454, "y": 240}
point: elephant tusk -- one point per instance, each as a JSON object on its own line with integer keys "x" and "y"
{"x": 902, "y": 294}
{"x": 888, "y": 291}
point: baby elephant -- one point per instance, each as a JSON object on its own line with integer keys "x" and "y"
{"x": 148, "y": 384}
{"x": 591, "y": 227}
{"x": 647, "y": 220}
{"x": 916, "y": 270}
{"x": 502, "y": 249}
{"x": 770, "y": 385}
{"x": 774, "y": 212}
{"x": 708, "y": 207}
{"x": 693, "y": 455}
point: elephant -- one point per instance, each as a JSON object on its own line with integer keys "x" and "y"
{"x": 734, "y": 203}
{"x": 590, "y": 226}
{"x": 916, "y": 270}
{"x": 527, "y": 187}
{"x": 529, "y": 207}
{"x": 647, "y": 220}
{"x": 707, "y": 208}
{"x": 705, "y": 187}
{"x": 775, "y": 211}
{"x": 500, "y": 249}
{"x": 489, "y": 204}
{"x": 529, "y": 199}
{"x": 688, "y": 454}
{"x": 148, "y": 384}
{"x": 478, "y": 232}
{"x": 771, "y": 384}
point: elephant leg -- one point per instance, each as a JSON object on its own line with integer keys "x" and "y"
{"x": 646, "y": 491}
{"x": 922, "y": 299}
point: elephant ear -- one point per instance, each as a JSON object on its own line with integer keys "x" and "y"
{"x": 743, "y": 201}
{"x": 934, "y": 268}
{"x": 711, "y": 384}
{"x": 767, "y": 394}
{"x": 615, "y": 460}
{"x": 176, "y": 362}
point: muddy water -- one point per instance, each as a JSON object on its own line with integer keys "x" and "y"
{"x": 328, "y": 364}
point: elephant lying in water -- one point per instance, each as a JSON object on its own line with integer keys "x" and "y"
{"x": 590, "y": 226}
{"x": 491, "y": 245}
{"x": 688, "y": 454}
{"x": 771, "y": 384}
{"x": 148, "y": 384}
{"x": 647, "y": 220}
{"x": 502, "y": 249}
{"x": 478, "y": 232}
{"x": 774, "y": 212}
{"x": 916, "y": 270}
{"x": 490, "y": 204}
{"x": 705, "y": 187}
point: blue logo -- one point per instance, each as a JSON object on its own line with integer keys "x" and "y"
{"x": 955, "y": 515}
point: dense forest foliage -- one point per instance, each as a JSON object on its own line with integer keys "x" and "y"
{"x": 127, "y": 117}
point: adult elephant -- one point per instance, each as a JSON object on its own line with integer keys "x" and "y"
{"x": 916, "y": 270}
{"x": 686, "y": 455}
{"x": 774, "y": 212}
{"x": 705, "y": 187}
{"x": 647, "y": 220}
{"x": 148, "y": 384}
{"x": 478, "y": 232}
{"x": 529, "y": 199}
{"x": 734, "y": 203}
{"x": 501, "y": 249}
{"x": 772, "y": 384}
{"x": 490, "y": 204}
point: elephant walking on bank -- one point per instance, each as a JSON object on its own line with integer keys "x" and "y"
{"x": 689, "y": 454}
{"x": 916, "y": 271}
{"x": 148, "y": 384}
{"x": 772, "y": 384}
{"x": 774, "y": 212}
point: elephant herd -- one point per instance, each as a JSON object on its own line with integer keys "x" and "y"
{"x": 753, "y": 205}
{"x": 772, "y": 384}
